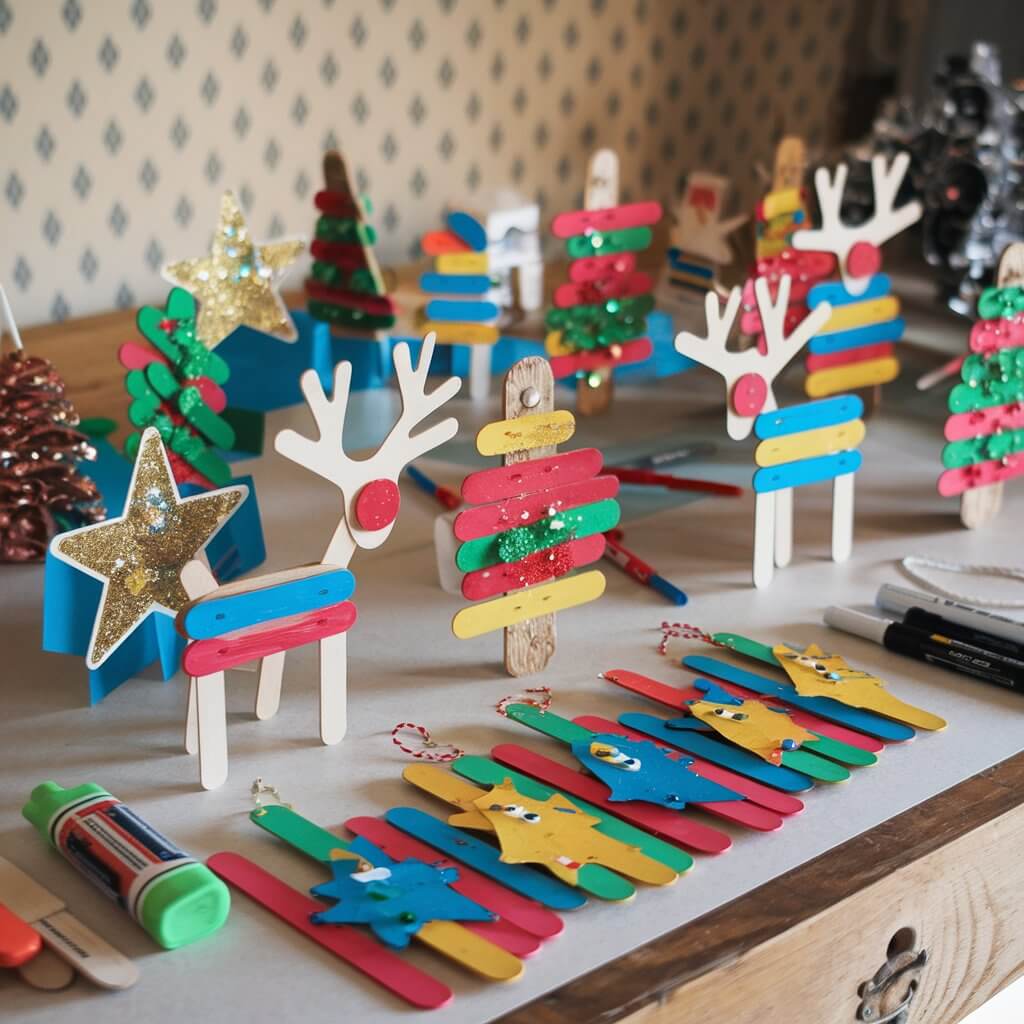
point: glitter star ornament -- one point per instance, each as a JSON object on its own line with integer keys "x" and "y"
{"x": 236, "y": 284}
{"x": 139, "y": 556}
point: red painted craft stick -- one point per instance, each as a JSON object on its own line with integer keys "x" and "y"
{"x": 360, "y": 951}
{"x": 674, "y": 826}
{"x": 742, "y": 812}
{"x": 646, "y": 477}
{"x": 592, "y": 268}
{"x": 341, "y": 254}
{"x": 798, "y": 291}
{"x": 597, "y": 290}
{"x": 536, "y": 568}
{"x": 19, "y": 941}
{"x": 846, "y": 357}
{"x": 436, "y": 243}
{"x": 336, "y": 204}
{"x": 133, "y": 356}
{"x": 992, "y": 335}
{"x": 486, "y": 520}
{"x": 377, "y": 305}
{"x": 525, "y": 914}
{"x": 537, "y": 474}
{"x": 675, "y": 697}
{"x": 981, "y": 474}
{"x": 635, "y": 351}
{"x": 204, "y": 657}
{"x": 611, "y": 218}
{"x": 963, "y": 425}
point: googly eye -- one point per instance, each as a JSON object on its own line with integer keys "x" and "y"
{"x": 531, "y": 817}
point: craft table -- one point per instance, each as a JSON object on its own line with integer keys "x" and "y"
{"x": 784, "y": 926}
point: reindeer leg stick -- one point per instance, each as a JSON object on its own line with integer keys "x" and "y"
{"x": 783, "y": 527}
{"x": 842, "y": 517}
{"x": 333, "y": 688}
{"x": 268, "y": 686}
{"x": 191, "y": 719}
{"x": 764, "y": 539}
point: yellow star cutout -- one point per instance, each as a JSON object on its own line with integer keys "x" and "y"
{"x": 235, "y": 285}
{"x": 139, "y": 556}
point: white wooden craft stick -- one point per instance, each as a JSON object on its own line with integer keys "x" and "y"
{"x": 333, "y": 688}
{"x": 445, "y": 546}
{"x": 479, "y": 372}
{"x": 47, "y": 972}
{"x": 268, "y": 685}
{"x": 842, "y": 517}
{"x": 191, "y": 719}
{"x": 764, "y": 539}
{"x": 783, "y": 527}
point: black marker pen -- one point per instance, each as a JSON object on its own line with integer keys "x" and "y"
{"x": 931, "y": 647}
{"x": 930, "y": 622}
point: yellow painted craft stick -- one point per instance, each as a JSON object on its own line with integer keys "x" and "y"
{"x": 852, "y": 376}
{"x": 451, "y": 333}
{"x": 528, "y": 604}
{"x": 775, "y": 204}
{"x": 525, "y": 432}
{"x": 768, "y": 247}
{"x": 461, "y": 263}
{"x": 861, "y": 314}
{"x": 822, "y": 441}
{"x": 460, "y": 944}
{"x": 451, "y": 789}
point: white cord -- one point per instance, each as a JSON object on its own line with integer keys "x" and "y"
{"x": 913, "y": 565}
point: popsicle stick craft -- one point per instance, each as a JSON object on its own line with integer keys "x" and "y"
{"x": 985, "y": 428}
{"x": 346, "y": 288}
{"x": 599, "y": 316}
{"x": 265, "y": 616}
{"x": 784, "y": 209}
{"x": 534, "y": 520}
{"x": 799, "y": 445}
{"x": 855, "y": 348}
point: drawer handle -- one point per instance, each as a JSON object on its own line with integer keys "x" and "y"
{"x": 887, "y": 997}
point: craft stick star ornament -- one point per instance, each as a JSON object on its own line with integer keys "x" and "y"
{"x": 139, "y": 555}
{"x": 236, "y": 283}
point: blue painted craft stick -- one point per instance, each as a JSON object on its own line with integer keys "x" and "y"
{"x": 795, "y": 419}
{"x": 462, "y": 310}
{"x": 701, "y": 745}
{"x": 855, "y": 337}
{"x": 220, "y": 615}
{"x": 675, "y": 260}
{"x": 469, "y": 229}
{"x": 824, "y": 707}
{"x": 455, "y": 284}
{"x": 835, "y": 294}
{"x": 806, "y": 471}
{"x": 475, "y": 853}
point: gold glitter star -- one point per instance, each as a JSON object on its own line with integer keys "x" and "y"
{"x": 139, "y": 556}
{"x": 236, "y": 284}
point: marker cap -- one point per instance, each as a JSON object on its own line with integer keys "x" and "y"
{"x": 849, "y": 620}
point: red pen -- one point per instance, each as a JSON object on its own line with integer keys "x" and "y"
{"x": 640, "y": 570}
{"x": 646, "y": 477}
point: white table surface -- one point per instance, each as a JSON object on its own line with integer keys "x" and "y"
{"x": 405, "y": 665}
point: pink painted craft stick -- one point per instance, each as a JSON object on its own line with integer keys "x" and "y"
{"x": 741, "y": 812}
{"x": 592, "y": 268}
{"x": 596, "y": 291}
{"x": 360, "y": 951}
{"x": 537, "y": 474}
{"x": 486, "y": 520}
{"x": 992, "y": 335}
{"x": 981, "y": 474}
{"x": 611, "y": 218}
{"x": 204, "y": 657}
{"x": 964, "y": 425}
{"x": 674, "y": 826}
{"x": 536, "y": 568}
{"x": 635, "y": 351}
{"x": 525, "y": 914}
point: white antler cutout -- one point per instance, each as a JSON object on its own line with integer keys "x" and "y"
{"x": 842, "y": 239}
{"x": 326, "y": 457}
{"x": 749, "y": 375}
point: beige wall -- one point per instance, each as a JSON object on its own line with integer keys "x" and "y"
{"x": 122, "y": 120}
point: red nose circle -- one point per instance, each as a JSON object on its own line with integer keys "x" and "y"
{"x": 377, "y": 504}
{"x": 863, "y": 259}
{"x": 749, "y": 394}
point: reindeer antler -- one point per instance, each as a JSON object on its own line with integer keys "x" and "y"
{"x": 748, "y": 374}
{"x": 326, "y": 457}
{"x": 886, "y": 222}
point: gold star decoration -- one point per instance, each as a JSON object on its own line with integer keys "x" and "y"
{"x": 236, "y": 285}
{"x": 139, "y": 556}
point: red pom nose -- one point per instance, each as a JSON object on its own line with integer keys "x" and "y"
{"x": 863, "y": 259}
{"x": 749, "y": 394}
{"x": 377, "y": 504}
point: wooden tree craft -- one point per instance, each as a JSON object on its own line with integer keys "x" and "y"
{"x": 855, "y": 346}
{"x": 534, "y": 520}
{"x": 345, "y": 288}
{"x": 985, "y": 429}
{"x": 600, "y": 313}
{"x": 263, "y": 617}
{"x": 799, "y": 445}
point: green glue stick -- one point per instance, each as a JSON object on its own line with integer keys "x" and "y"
{"x": 175, "y": 898}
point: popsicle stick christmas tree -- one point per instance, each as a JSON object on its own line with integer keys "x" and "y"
{"x": 536, "y": 519}
{"x": 985, "y": 428}
{"x": 784, "y": 209}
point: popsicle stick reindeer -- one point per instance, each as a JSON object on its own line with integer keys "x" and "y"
{"x": 268, "y": 615}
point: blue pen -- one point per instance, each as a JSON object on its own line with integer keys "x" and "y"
{"x": 639, "y": 569}
{"x": 445, "y": 495}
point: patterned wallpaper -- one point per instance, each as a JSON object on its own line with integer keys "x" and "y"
{"x": 123, "y": 120}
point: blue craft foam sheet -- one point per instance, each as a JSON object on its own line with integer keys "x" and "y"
{"x": 111, "y": 473}
{"x": 504, "y": 353}
{"x": 265, "y": 371}
{"x": 371, "y": 362}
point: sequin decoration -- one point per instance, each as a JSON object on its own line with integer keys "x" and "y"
{"x": 236, "y": 284}
{"x": 139, "y": 555}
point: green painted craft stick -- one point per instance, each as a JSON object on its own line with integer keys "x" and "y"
{"x": 600, "y": 243}
{"x": 555, "y": 726}
{"x": 298, "y": 832}
{"x": 747, "y": 647}
{"x": 818, "y": 768}
{"x": 486, "y": 772}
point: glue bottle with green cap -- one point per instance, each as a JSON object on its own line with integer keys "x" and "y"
{"x": 175, "y": 898}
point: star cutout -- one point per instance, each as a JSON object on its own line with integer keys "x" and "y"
{"x": 139, "y": 555}
{"x": 236, "y": 285}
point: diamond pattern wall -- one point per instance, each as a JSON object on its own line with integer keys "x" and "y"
{"x": 123, "y": 120}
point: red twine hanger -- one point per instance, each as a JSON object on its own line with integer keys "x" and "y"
{"x": 684, "y": 631}
{"x": 524, "y": 698}
{"x": 429, "y": 749}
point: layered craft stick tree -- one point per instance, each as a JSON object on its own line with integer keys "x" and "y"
{"x": 855, "y": 347}
{"x": 800, "y": 445}
{"x": 536, "y": 519}
{"x": 265, "y": 616}
{"x": 985, "y": 429}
